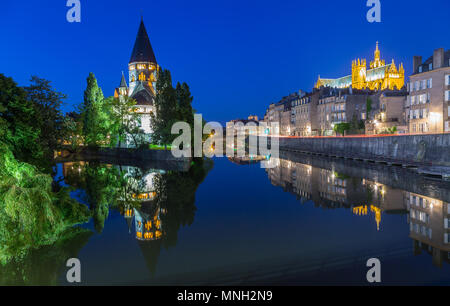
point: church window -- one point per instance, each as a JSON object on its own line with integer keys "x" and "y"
{"x": 142, "y": 77}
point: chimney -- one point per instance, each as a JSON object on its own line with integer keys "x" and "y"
{"x": 438, "y": 58}
{"x": 416, "y": 63}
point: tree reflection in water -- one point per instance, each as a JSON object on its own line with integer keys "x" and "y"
{"x": 160, "y": 201}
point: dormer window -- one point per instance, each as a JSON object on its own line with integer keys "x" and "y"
{"x": 430, "y": 66}
{"x": 420, "y": 69}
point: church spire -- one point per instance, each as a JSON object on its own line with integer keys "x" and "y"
{"x": 142, "y": 51}
{"x": 123, "y": 82}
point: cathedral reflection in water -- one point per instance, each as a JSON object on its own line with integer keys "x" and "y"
{"x": 372, "y": 191}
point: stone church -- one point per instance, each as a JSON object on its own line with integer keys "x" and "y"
{"x": 142, "y": 71}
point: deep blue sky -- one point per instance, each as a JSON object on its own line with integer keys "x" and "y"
{"x": 237, "y": 56}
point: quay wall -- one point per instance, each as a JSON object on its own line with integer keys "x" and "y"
{"x": 406, "y": 150}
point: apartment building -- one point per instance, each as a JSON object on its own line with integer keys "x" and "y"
{"x": 340, "y": 105}
{"x": 304, "y": 112}
{"x": 427, "y": 107}
{"x": 388, "y": 113}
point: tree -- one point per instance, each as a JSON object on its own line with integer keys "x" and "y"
{"x": 392, "y": 130}
{"x": 184, "y": 104}
{"x": 31, "y": 213}
{"x": 368, "y": 106}
{"x": 172, "y": 105}
{"x": 48, "y": 115}
{"x": 126, "y": 121}
{"x": 165, "y": 108}
{"x": 20, "y": 131}
{"x": 96, "y": 122}
{"x": 73, "y": 130}
{"x": 340, "y": 128}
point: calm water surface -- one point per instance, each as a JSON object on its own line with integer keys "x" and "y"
{"x": 305, "y": 221}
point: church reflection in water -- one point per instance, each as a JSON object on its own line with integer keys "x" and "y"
{"x": 371, "y": 190}
{"x": 155, "y": 202}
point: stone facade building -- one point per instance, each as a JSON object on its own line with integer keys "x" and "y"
{"x": 388, "y": 113}
{"x": 340, "y": 106}
{"x": 142, "y": 70}
{"x": 429, "y": 94}
{"x": 421, "y": 107}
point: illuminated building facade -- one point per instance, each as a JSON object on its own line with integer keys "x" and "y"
{"x": 380, "y": 76}
{"x": 142, "y": 69}
{"x": 388, "y": 112}
{"x": 428, "y": 104}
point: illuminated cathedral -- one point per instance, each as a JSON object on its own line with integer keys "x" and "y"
{"x": 142, "y": 71}
{"x": 380, "y": 76}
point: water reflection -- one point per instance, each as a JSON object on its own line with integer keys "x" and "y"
{"x": 370, "y": 190}
{"x": 155, "y": 203}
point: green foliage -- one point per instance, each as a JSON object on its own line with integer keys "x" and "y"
{"x": 172, "y": 105}
{"x": 48, "y": 116}
{"x": 73, "y": 130}
{"x": 357, "y": 125}
{"x": 126, "y": 121}
{"x": 341, "y": 128}
{"x": 51, "y": 261}
{"x": 176, "y": 195}
{"x": 368, "y": 106}
{"x": 104, "y": 187}
{"x": 31, "y": 214}
{"x": 96, "y": 115}
{"x": 19, "y": 129}
{"x": 392, "y": 130}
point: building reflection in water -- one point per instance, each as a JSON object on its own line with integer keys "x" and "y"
{"x": 429, "y": 226}
{"x": 156, "y": 202}
{"x": 428, "y": 218}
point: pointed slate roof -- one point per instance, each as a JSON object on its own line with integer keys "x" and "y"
{"x": 123, "y": 82}
{"x": 142, "y": 51}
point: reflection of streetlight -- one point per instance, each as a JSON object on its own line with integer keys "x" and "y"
{"x": 434, "y": 118}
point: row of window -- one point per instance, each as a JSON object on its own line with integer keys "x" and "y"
{"x": 142, "y": 67}
{"x": 420, "y": 85}
{"x": 301, "y": 101}
{"x": 423, "y": 230}
{"x": 420, "y": 215}
{"x": 419, "y": 99}
{"x": 418, "y": 113}
{"x": 421, "y": 127}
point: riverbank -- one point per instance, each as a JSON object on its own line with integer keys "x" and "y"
{"x": 430, "y": 153}
{"x": 156, "y": 159}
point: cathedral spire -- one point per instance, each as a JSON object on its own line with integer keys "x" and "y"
{"x": 142, "y": 51}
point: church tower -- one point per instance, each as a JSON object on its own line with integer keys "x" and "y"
{"x": 142, "y": 67}
{"x": 143, "y": 71}
{"x": 377, "y": 61}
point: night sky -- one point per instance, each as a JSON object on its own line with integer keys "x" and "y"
{"x": 237, "y": 56}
